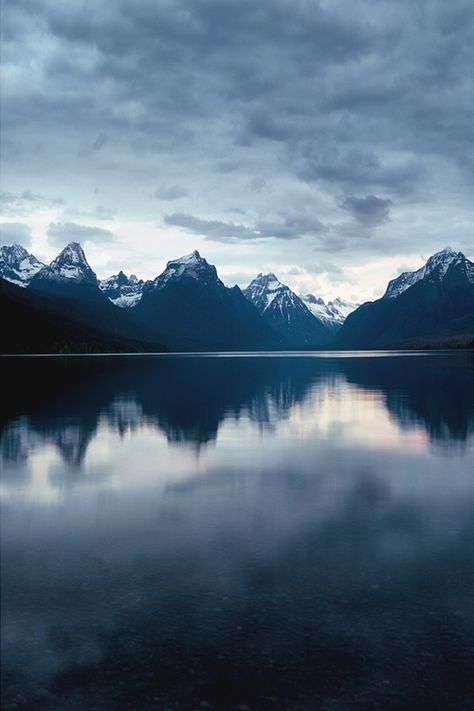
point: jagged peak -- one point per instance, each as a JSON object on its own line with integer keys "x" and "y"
{"x": 190, "y": 265}
{"x": 71, "y": 264}
{"x": 72, "y": 251}
{"x": 16, "y": 249}
{"x": 446, "y": 250}
{"x": 192, "y": 259}
{"x": 312, "y": 299}
{"x": 436, "y": 266}
{"x": 269, "y": 282}
{"x": 189, "y": 258}
{"x": 18, "y": 265}
{"x": 446, "y": 254}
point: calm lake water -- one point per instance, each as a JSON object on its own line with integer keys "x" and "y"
{"x": 287, "y": 532}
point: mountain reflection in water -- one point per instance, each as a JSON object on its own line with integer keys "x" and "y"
{"x": 273, "y": 532}
{"x": 64, "y": 401}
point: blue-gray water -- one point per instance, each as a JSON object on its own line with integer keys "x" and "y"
{"x": 272, "y": 533}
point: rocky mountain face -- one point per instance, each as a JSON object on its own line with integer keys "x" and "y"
{"x": 17, "y": 265}
{"x": 286, "y": 312}
{"x": 332, "y": 314}
{"x": 431, "y": 307}
{"x": 191, "y": 308}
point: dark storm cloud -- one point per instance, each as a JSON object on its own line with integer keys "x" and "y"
{"x": 361, "y": 99}
{"x": 59, "y": 233}
{"x": 218, "y": 231}
{"x": 369, "y": 210}
{"x": 15, "y": 233}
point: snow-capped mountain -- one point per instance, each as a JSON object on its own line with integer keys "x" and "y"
{"x": 193, "y": 309}
{"x": 18, "y": 265}
{"x": 433, "y": 306}
{"x": 286, "y": 312}
{"x": 435, "y": 266}
{"x": 191, "y": 266}
{"x": 70, "y": 265}
{"x": 122, "y": 290}
{"x": 333, "y": 313}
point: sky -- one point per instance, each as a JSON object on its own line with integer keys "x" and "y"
{"x": 329, "y": 141}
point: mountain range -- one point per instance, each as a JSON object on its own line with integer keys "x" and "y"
{"x": 64, "y": 307}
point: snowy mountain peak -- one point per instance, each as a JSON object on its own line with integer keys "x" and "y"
{"x": 437, "y": 266}
{"x": 264, "y": 289}
{"x": 71, "y": 254}
{"x": 312, "y": 299}
{"x": 18, "y": 265}
{"x": 285, "y": 311}
{"x": 121, "y": 290}
{"x": 191, "y": 266}
{"x": 70, "y": 264}
{"x": 445, "y": 256}
{"x": 333, "y": 314}
{"x": 193, "y": 257}
{"x": 14, "y": 251}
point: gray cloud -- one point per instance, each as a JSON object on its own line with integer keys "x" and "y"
{"x": 171, "y": 192}
{"x": 99, "y": 142}
{"x": 104, "y": 213}
{"x": 59, "y": 233}
{"x": 369, "y": 210}
{"x": 323, "y": 268}
{"x": 287, "y": 228}
{"x": 250, "y": 105}
{"x": 15, "y": 232}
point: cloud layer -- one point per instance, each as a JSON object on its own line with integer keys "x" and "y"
{"x": 346, "y": 127}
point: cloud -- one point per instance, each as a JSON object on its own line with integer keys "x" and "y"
{"x": 288, "y": 228}
{"x": 60, "y": 233}
{"x": 15, "y": 232}
{"x": 369, "y": 210}
{"x": 275, "y": 109}
{"x": 323, "y": 268}
{"x": 171, "y": 192}
{"x": 100, "y": 141}
{"x": 24, "y": 203}
{"x": 104, "y": 213}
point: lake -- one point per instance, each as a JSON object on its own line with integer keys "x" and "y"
{"x": 267, "y": 532}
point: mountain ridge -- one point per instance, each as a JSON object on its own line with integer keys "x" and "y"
{"x": 188, "y": 307}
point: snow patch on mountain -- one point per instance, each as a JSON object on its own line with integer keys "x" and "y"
{"x": 18, "y": 265}
{"x": 121, "y": 290}
{"x": 333, "y": 313}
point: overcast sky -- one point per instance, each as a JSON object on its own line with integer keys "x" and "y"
{"x": 330, "y": 141}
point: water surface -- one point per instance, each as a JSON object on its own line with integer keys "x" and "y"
{"x": 267, "y": 532}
